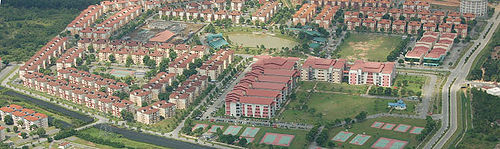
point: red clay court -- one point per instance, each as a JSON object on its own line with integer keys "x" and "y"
{"x": 197, "y": 126}
{"x": 277, "y": 139}
{"x": 402, "y": 128}
{"x": 386, "y": 143}
{"x": 377, "y": 124}
{"x": 388, "y": 126}
{"x": 250, "y": 132}
{"x": 232, "y": 130}
{"x": 360, "y": 139}
{"x": 214, "y": 128}
{"x": 342, "y": 136}
{"x": 416, "y": 130}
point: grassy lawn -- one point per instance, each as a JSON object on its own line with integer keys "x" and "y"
{"x": 342, "y": 87}
{"x": 116, "y": 138}
{"x": 298, "y": 142}
{"x": 410, "y": 85}
{"x": 369, "y": 47}
{"x": 375, "y": 133}
{"x": 166, "y": 125}
{"x": 307, "y": 85}
{"x": 321, "y": 107}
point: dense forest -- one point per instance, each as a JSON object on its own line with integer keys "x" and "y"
{"x": 486, "y": 67}
{"x": 27, "y": 25}
{"x": 50, "y": 4}
{"x": 486, "y": 114}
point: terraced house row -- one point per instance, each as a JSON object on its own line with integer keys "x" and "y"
{"x": 440, "y": 21}
{"x": 265, "y": 89}
{"x": 204, "y": 14}
{"x": 266, "y": 11}
{"x": 127, "y": 10}
{"x": 29, "y": 118}
{"x": 431, "y": 49}
{"x": 354, "y": 4}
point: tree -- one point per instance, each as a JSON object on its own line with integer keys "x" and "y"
{"x": 163, "y": 65}
{"x": 20, "y": 123}
{"x": 361, "y": 116}
{"x": 129, "y": 61}
{"x": 243, "y": 142}
{"x": 146, "y": 59}
{"x": 127, "y": 116}
{"x": 24, "y": 135}
{"x": 112, "y": 58}
{"x": 15, "y": 128}
{"x": 348, "y": 120}
{"x": 173, "y": 55}
{"x": 322, "y": 138}
{"x": 8, "y": 120}
{"x": 40, "y": 132}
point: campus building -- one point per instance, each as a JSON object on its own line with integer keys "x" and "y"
{"x": 376, "y": 73}
{"x": 320, "y": 69}
{"x": 263, "y": 90}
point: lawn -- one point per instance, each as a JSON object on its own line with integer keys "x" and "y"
{"x": 375, "y": 133}
{"x": 114, "y": 137}
{"x": 321, "y": 107}
{"x": 342, "y": 87}
{"x": 410, "y": 85}
{"x": 299, "y": 140}
{"x": 369, "y": 47}
{"x": 307, "y": 85}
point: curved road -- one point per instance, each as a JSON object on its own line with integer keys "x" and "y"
{"x": 455, "y": 79}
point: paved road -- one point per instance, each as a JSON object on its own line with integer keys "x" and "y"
{"x": 455, "y": 79}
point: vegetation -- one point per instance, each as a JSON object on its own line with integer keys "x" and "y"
{"x": 485, "y": 67}
{"x": 318, "y": 107}
{"x": 113, "y": 140}
{"x": 25, "y": 29}
{"x": 485, "y": 132}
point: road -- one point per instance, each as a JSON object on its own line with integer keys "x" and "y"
{"x": 452, "y": 85}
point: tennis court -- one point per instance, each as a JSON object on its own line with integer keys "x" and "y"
{"x": 214, "y": 128}
{"x": 121, "y": 73}
{"x": 377, "y": 124}
{"x": 197, "y": 126}
{"x": 402, "y": 128}
{"x": 232, "y": 130}
{"x": 386, "y": 143}
{"x": 277, "y": 139}
{"x": 250, "y": 132}
{"x": 360, "y": 139}
{"x": 342, "y": 136}
{"x": 388, "y": 126}
{"x": 417, "y": 130}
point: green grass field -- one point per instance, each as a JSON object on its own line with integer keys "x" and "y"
{"x": 409, "y": 85}
{"x": 369, "y": 47}
{"x": 298, "y": 142}
{"x": 321, "y": 107}
{"x": 364, "y": 127}
{"x": 342, "y": 87}
{"x": 113, "y": 137}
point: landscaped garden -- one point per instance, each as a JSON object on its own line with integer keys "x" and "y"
{"x": 370, "y": 47}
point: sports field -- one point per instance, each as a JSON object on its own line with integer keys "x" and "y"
{"x": 365, "y": 128}
{"x": 330, "y": 106}
{"x": 290, "y": 138}
{"x": 369, "y": 47}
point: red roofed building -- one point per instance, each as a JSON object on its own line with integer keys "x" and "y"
{"x": 122, "y": 105}
{"x": 166, "y": 109}
{"x": 164, "y": 36}
{"x": 376, "y": 73}
{"x": 461, "y": 29}
{"x": 139, "y": 96}
{"x": 384, "y": 25}
{"x": 319, "y": 69}
{"x": 148, "y": 115}
{"x": 398, "y": 26}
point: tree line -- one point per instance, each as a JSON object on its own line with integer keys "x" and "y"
{"x": 51, "y": 4}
